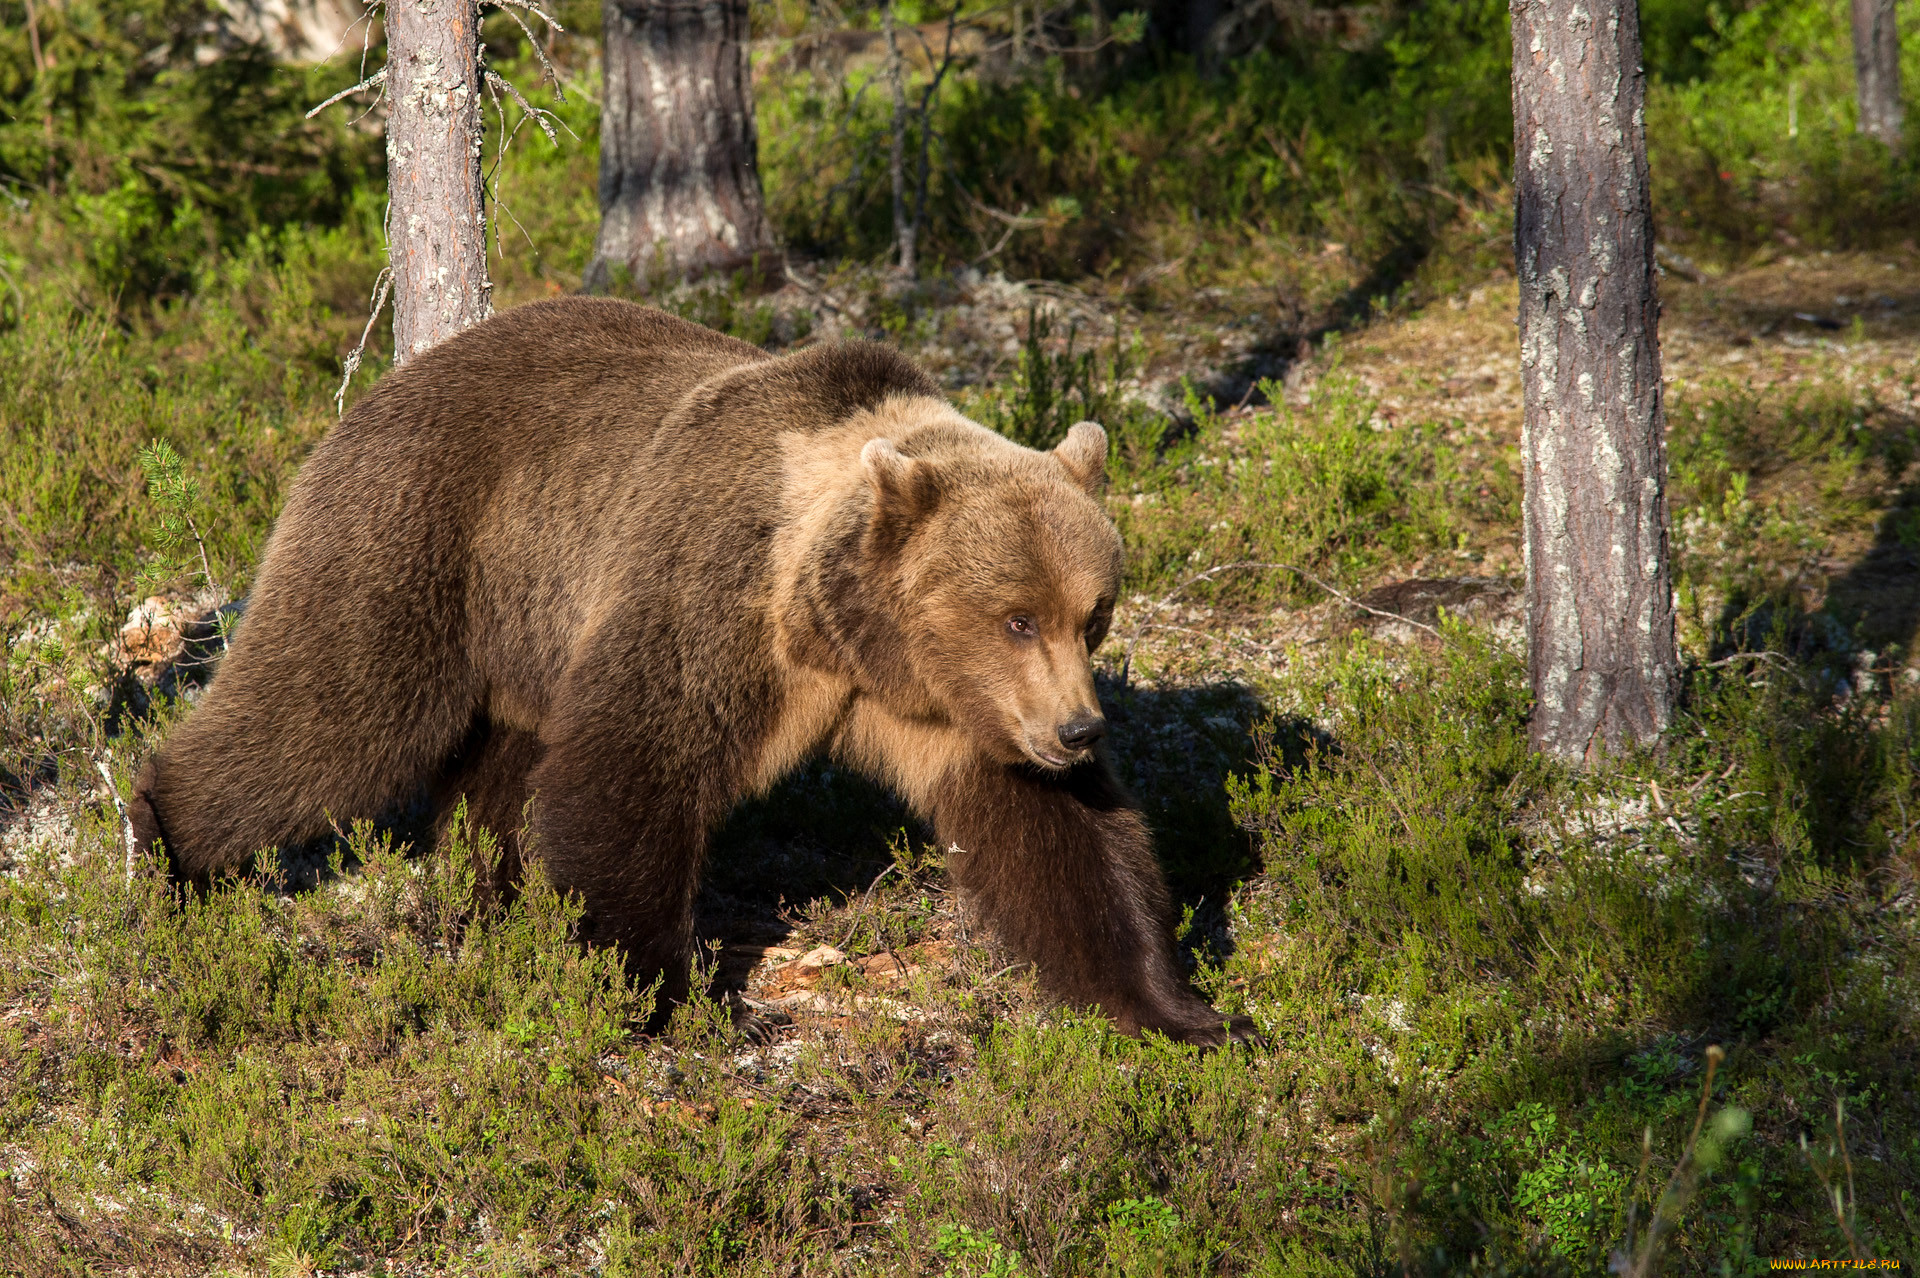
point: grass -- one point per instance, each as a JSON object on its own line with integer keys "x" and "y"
{"x": 1491, "y": 990}
{"x": 1487, "y": 985}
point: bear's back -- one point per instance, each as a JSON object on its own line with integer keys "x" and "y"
{"x": 597, "y": 379}
{"x": 499, "y": 490}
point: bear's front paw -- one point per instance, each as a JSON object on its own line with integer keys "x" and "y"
{"x": 1193, "y": 1021}
{"x": 1218, "y": 1032}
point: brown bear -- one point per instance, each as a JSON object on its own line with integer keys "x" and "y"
{"x": 591, "y": 556}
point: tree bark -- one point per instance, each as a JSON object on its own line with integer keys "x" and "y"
{"x": 1600, "y": 599}
{"x": 679, "y": 182}
{"x": 1876, "y": 69}
{"x": 905, "y": 232}
{"x": 436, "y": 220}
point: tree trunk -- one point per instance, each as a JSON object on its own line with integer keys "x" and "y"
{"x": 679, "y": 186}
{"x": 1876, "y": 69}
{"x": 905, "y": 232}
{"x": 1600, "y": 600}
{"x": 436, "y": 222}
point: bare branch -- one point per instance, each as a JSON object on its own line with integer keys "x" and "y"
{"x": 382, "y": 286}
{"x": 492, "y": 178}
{"x": 539, "y": 117}
{"x": 126, "y": 820}
{"x": 1018, "y": 221}
{"x": 552, "y": 76}
{"x": 365, "y": 39}
{"x": 373, "y": 81}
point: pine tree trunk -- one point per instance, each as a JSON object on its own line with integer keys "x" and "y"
{"x": 436, "y": 222}
{"x": 679, "y": 183}
{"x": 1600, "y": 599}
{"x": 1876, "y": 69}
{"x": 905, "y": 231}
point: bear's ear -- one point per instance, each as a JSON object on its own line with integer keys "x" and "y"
{"x": 903, "y": 488}
{"x": 1084, "y": 453}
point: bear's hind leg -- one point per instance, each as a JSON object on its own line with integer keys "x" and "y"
{"x": 271, "y": 757}
{"x": 490, "y": 772}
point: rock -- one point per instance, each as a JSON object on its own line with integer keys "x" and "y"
{"x": 822, "y": 956}
{"x": 170, "y": 646}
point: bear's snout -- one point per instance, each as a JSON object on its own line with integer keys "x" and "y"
{"x": 1082, "y": 731}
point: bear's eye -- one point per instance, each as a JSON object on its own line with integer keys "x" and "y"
{"x": 1022, "y": 625}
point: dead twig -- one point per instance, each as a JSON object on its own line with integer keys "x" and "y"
{"x": 538, "y": 116}
{"x": 382, "y": 286}
{"x": 547, "y": 71}
{"x": 1845, "y": 1202}
{"x": 126, "y": 819}
{"x": 373, "y": 81}
{"x": 860, "y": 912}
{"x": 1666, "y": 1211}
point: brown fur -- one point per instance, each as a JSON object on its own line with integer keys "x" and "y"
{"x": 596, "y": 565}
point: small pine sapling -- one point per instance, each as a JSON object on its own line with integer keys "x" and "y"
{"x": 176, "y": 497}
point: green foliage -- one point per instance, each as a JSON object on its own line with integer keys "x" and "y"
{"x": 163, "y": 157}
{"x": 1317, "y": 138}
{"x": 1329, "y": 488}
{"x": 976, "y": 1255}
{"x": 175, "y": 534}
{"x": 1571, "y": 1197}
{"x": 1051, "y": 390}
{"x": 1399, "y": 842}
{"x": 1758, "y": 140}
{"x": 234, "y": 387}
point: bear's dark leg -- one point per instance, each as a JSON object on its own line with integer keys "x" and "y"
{"x": 282, "y": 746}
{"x": 490, "y": 772}
{"x": 1062, "y": 869}
{"x": 620, "y": 824}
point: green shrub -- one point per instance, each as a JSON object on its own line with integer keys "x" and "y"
{"x": 1758, "y": 140}
{"x": 163, "y": 158}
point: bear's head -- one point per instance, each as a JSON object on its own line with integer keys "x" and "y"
{"x": 1000, "y": 568}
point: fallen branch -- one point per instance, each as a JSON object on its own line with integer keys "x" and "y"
{"x": 1679, "y": 263}
{"x": 1772, "y": 658}
{"x": 1126, "y": 662}
{"x": 1228, "y": 641}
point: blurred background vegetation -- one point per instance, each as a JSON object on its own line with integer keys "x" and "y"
{"x": 153, "y": 142}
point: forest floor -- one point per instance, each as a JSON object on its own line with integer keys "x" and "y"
{"x": 1487, "y": 988}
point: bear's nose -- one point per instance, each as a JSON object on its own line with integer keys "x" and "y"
{"x": 1082, "y": 731}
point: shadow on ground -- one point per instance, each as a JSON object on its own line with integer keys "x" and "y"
{"x": 826, "y": 832}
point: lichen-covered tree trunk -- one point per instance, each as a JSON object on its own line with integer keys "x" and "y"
{"x": 1600, "y": 599}
{"x": 905, "y": 232}
{"x": 436, "y": 223}
{"x": 679, "y": 182}
{"x": 1876, "y": 69}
